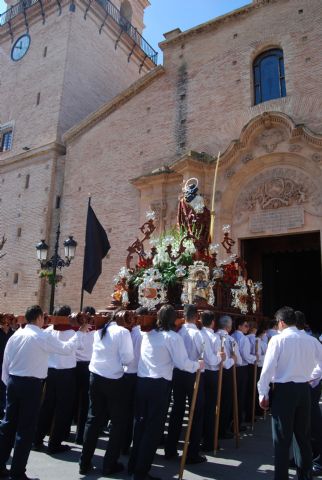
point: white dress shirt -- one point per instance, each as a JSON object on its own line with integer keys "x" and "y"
{"x": 214, "y": 341}
{"x": 244, "y": 348}
{"x": 85, "y": 354}
{"x": 228, "y": 349}
{"x": 136, "y": 336}
{"x": 161, "y": 352}
{"x": 262, "y": 347}
{"x": 27, "y": 352}
{"x": 111, "y": 353}
{"x": 290, "y": 357}
{"x": 55, "y": 360}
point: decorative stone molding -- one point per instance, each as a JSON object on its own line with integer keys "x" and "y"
{"x": 160, "y": 209}
{"x": 294, "y": 147}
{"x": 316, "y": 157}
{"x": 270, "y": 138}
{"x": 279, "y": 188}
{"x": 247, "y": 158}
{"x": 269, "y": 130}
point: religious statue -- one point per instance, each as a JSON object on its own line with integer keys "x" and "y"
{"x": 193, "y": 215}
{"x": 198, "y": 288}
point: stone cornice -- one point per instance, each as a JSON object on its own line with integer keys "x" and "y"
{"x": 110, "y": 107}
{"x": 31, "y": 156}
{"x": 192, "y": 159}
{"x": 214, "y": 23}
{"x": 265, "y": 121}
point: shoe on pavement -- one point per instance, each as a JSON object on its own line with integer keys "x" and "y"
{"x": 171, "y": 455}
{"x": 22, "y": 477}
{"x": 84, "y": 470}
{"x": 317, "y": 470}
{"x": 38, "y": 447}
{"x": 116, "y": 468}
{"x": 195, "y": 460}
{"x": 58, "y": 449}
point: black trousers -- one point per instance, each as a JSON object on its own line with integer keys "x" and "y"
{"x": 291, "y": 414}
{"x": 182, "y": 389}
{"x": 249, "y": 394}
{"x": 242, "y": 374}
{"x": 131, "y": 380}
{"x": 57, "y": 406}
{"x": 107, "y": 399}
{"x": 2, "y": 396}
{"x": 17, "y": 429}
{"x": 226, "y": 404}
{"x": 82, "y": 398}
{"x": 151, "y": 404}
{"x": 316, "y": 424}
{"x": 211, "y": 388}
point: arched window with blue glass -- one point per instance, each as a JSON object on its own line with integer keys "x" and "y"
{"x": 269, "y": 76}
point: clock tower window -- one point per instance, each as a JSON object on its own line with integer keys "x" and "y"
{"x": 6, "y": 140}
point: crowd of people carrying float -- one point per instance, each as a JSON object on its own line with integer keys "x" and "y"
{"x": 135, "y": 367}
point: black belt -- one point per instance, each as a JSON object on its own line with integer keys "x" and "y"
{"x": 17, "y": 377}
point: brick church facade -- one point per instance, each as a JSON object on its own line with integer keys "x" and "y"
{"x": 89, "y": 117}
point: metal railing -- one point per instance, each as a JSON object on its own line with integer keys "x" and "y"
{"x": 15, "y": 10}
{"x": 110, "y": 11}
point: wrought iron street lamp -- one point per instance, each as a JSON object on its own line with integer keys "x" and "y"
{"x": 55, "y": 262}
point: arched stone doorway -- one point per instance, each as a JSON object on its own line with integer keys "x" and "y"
{"x": 271, "y": 195}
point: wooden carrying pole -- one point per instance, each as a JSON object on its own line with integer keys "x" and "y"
{"x": 254, "y": 385}
{"x": 190, "y": 420}
{"x": 218, "y": 402}
{"x": 235, "y": 401}
{"x": 213, "y": 198}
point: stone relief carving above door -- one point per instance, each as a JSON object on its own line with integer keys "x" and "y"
{"x": 279, "y": 188}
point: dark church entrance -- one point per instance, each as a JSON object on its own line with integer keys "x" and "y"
{"x": 290, "y": 269}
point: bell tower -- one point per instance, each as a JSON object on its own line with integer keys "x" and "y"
{"x": 60, "y": 60}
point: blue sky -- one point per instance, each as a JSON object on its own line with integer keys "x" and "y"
{"x": 165, "y": 15}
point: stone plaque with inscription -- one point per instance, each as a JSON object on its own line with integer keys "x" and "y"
{"x": 277, "y": 220}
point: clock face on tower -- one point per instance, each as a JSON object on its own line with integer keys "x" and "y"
{"x": 20, "y": 47}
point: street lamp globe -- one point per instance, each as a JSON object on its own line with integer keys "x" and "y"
{"x": 42, "y": 251}
{"x": 70, "y": 247}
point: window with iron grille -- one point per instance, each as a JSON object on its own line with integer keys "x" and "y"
{"x": 6, "y": 141}
{"x": 269, "y": 76}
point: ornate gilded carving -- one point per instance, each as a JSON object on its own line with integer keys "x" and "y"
{"x": 270, "y": 138}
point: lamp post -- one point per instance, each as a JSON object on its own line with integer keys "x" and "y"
{"x": 55, "y": 261}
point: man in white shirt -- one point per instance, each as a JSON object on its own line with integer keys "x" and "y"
{"x": 211, "y": 379}
{"x": 83, "y": 357}
{"x": 162, "y": 349}
{"x": 112, "y": 350}
{"x": 232, "y": 358}
{"x": 130, "y": 377}
{"x": 290, "y": 359}
{"x": 25, "y": 367}
{"x": 56, "y": 410}
{"x": 242, "y": 371}
{"x": 182, "y": 387}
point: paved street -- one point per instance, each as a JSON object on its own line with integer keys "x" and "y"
{"x": 252, "y": 461}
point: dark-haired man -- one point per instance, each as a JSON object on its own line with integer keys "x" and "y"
{"x": 25, "y": 366}
{"x": 289, "y": 362}
{"x": 211, "y": 379}
{"x": 183, "y": 386}
{"x": 242, "y": 370}
{"x": 56, "y": 410}
{"x": 5, "y": 333}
